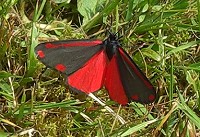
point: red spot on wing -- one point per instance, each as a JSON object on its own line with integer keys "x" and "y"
{"x": 40, "y": 53}
{"x": 90, "y": 78}
{"x": 151, "y": 97}
{"x": 73, "y": 43}
{"x": 84, "y": 43}
{"x": 135, "y": 97}
{"x": 136, "y": 70}
{"x": 113, "y": 83}
{"x": 60, "y": 67}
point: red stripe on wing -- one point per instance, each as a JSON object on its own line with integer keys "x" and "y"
{"x": 73, "y": 43}
{"x": 113, "y": 82}
{"x": 90, "y": 77}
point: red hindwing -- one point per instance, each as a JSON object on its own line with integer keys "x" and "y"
{"x": 90, "y": 77}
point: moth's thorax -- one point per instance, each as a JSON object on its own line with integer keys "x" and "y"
{"x": 111, "y": 45}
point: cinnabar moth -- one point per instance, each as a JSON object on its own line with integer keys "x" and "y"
{"x": 92, "y": 64}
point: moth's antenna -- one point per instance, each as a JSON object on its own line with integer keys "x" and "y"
{"x": 110, "y": 33}
{"x": 117, "y": 33}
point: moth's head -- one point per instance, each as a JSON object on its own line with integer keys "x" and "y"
{"x": 111, "y": 44}
{"x": 113, "y": 39}
{"x": 112, "y": 36}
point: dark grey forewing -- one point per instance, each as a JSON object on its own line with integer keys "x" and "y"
{"x": 136, "y": 85}
{"x": 72, "y": 57}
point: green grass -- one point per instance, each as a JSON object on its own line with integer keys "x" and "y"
{"x": 162, "y": 37}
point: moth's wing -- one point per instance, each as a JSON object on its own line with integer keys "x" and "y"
{"x": 90, "y": 77}
{"x": 125, "y": 82}
{"x": 67, "y": 56}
